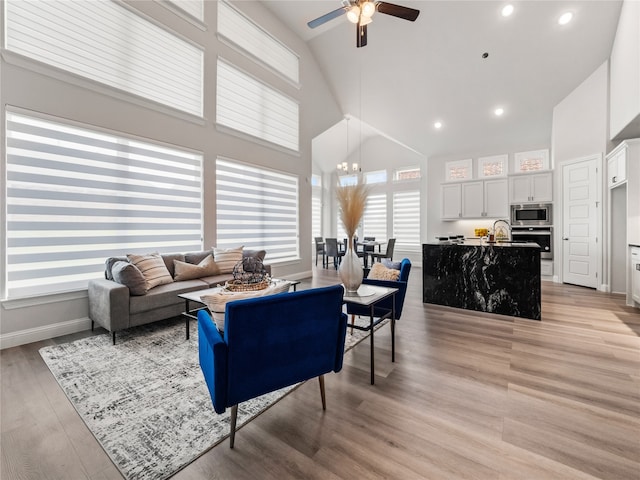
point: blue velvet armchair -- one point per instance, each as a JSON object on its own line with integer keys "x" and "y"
{"x": 385, "y": 306}
{"x": 269, "y": 343}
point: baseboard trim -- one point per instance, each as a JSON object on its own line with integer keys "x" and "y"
{"x": 36, "y": 334}
{"x": 299, "y": 276}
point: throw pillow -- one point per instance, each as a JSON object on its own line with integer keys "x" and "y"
{"x": 153, "y": 268}
{"x": 391, "y": 264}
{"x": 380, "y": 272}
{"x": 129, "y": 275}
{"x": 226, "y": 258}
{"x": 217, "y": 302}
{"x": 188, "y": 271}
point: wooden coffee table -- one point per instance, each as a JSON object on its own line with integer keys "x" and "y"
{"x": 192, "y": 313}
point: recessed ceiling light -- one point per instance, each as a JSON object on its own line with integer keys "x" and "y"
{"x": 507, "y": 10}
{"x": 498, "y": 111}
{"x": 438, "y": 125}
{"x": 565, "y": 18}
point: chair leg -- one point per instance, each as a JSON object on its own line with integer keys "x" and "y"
{"x": 353, "y": 322}
{"x": 234, "y": 417}
{"x": 322, "y": 395}
{"x": 113, "y": 337}
{"x": 92, "y": 325}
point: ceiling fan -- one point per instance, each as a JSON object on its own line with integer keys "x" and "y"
{"x": 361, "y": 12}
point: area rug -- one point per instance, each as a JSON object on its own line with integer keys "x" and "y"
{"x": 145, "y": 399}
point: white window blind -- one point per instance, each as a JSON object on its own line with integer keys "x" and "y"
{"x": 316, "y": 212}
{"x": 379, "y": 176}
{"x": 252, "y": 107}
{"x": 374, "y": 220}
{"x": 195, "y": 8}
{"x": 260, "y": 44}
{"x": 108, "y": 43}
{"x": 77, "y": 196}
{"x": 406, "y": 220}
{"x": 257, "y": 208}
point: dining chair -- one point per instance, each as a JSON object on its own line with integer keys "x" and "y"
{"x": 320, "y": 249}
{"x": 391, "y": 243}
{"x": 332, "y": 250}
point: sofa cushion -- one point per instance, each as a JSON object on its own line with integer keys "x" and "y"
{"x": 169, "y": 258}
{"x": 380, "y": 272}
{"x": 128, "y": 274}
{"x": 215, "y": 280}
{"x": 197, "y": 257}
{"x": 108, "y": 266}
{"x": 188, "y": 271}
{"x": 164, "y": 296}
{"x": 226, "y": 258}
{"x": 153, "y": 268}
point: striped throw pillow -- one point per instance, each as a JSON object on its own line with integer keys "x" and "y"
{"x": 226, "y": 258}
{"x": 153, "y": 269}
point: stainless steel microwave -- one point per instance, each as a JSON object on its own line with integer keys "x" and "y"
{"x": 539, "y": 214}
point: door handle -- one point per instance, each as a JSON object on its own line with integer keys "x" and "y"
{"x": 565, "y": 238}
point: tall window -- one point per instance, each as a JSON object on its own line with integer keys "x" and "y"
{"x": 374, "y": 220}
{"x": 195, "y": 8}
{"x": 76, "y": 196}
{"x": 316, "y": 206}
{"x": 247, "y": 105}
{"x": 406, "y": 220}
{"x": 257, "y": 208}
{"x": 256, "y": 41}
{"x": 106, "y": 42}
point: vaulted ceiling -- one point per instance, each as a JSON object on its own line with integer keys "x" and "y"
{"x": 411, "y": 75}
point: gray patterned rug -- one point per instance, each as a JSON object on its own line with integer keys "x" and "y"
{"x": 145, "y": 399}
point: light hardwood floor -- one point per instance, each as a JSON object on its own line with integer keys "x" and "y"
{"x": 470, "y": 396}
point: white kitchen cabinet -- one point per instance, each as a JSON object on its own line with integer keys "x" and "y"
{"x": 617, "y": 166}
{"x": 477, "y": 199}
{"x": 451, "y": 202}
{"x": 531, "y": 188}
{"x": 496, "y": 193}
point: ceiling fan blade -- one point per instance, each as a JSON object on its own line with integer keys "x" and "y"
{"x": 326, "y": 17}
{"x": 399, "y": 11}
{"x": 361, "y": 35}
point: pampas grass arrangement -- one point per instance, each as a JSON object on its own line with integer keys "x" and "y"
{"x": 352, "y": 200}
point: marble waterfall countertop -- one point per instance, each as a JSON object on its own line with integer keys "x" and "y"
{"x": 502, "y": 277}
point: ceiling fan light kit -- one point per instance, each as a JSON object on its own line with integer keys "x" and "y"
{"x": 360, "y": 12}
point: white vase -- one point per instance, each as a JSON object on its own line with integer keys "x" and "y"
{"x": 350, "y": 270}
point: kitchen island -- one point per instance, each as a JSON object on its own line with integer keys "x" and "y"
{"x": 502, "y": 278}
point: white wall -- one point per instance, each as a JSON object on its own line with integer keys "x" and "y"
{"x": 625, "y": 72}
{"x": 79, "y": 100}
{"x": 580, "y": 129}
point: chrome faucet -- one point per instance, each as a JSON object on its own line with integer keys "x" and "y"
{"x": 502, "y": 238}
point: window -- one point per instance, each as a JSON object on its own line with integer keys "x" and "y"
{"x": 76, "y": 196}
{"x": 257, "y": 208}
{"x": 346, "y": 180}
{"x": 406, "y": 220}
{"x": 316, "y": 205}
{"x": 531, "y": 161}
{"x": 374, "y": 220}
{"x": 494, "y": 166}
{"x": 108, "y": 43}
{"x": 408, "y": 173}
{"x": 253, "y": 39}
{"x": 252, "y": 107}
{"x": 459, "y": 170}
{"x": 375, "y": 177}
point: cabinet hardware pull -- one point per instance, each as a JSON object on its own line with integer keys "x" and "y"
{"x": 638, "y": 266}
{"x": 565, "y": 238}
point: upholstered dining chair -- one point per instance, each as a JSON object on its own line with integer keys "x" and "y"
{"x": 270, "y": 343}
{"x": 386, "y": 305}
{"x": 320, "y": 250}
{"x": 332, "y": 251}
{"x": 391, "y": 243}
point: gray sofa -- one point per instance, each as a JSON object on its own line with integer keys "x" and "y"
{"x": 113, "y": 307}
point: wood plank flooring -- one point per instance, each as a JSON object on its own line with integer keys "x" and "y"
{"x": 470, "y": 395}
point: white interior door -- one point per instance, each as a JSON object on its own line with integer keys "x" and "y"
{"x": 580, "y": 220}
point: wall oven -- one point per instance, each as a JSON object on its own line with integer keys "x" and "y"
{"x": 543, "y": 236}
{"x": 538, "y": 214}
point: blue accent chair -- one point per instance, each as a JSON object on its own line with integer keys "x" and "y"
{"x": 385, "y": 306}
{"x": 269, "y": 343}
